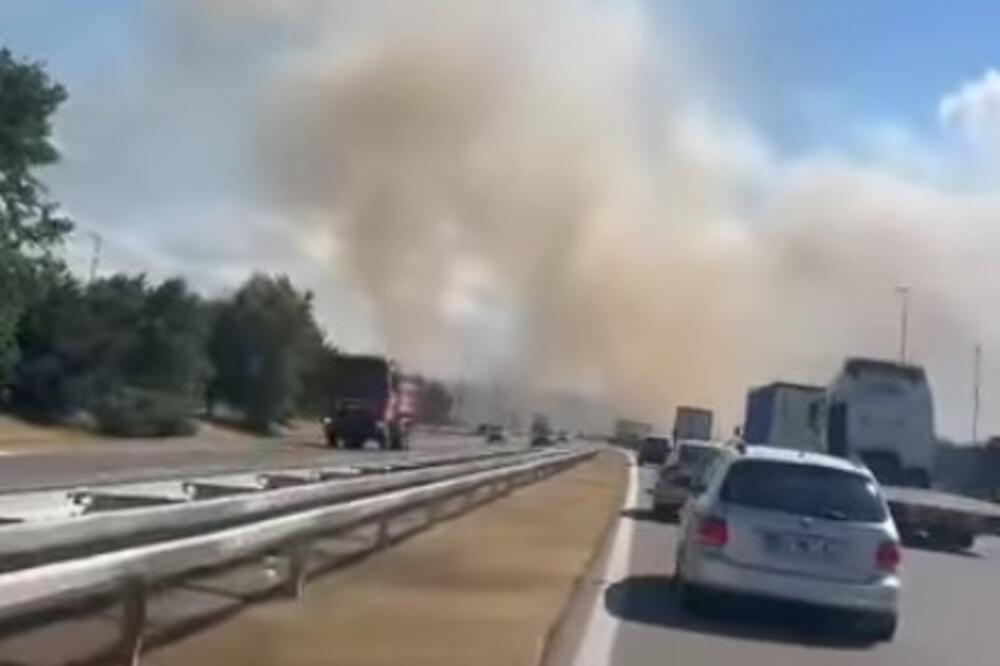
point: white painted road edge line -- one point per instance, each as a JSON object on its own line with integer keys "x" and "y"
{"x": 598, "y": 640}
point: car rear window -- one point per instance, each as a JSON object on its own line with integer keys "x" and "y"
{"x": 806, "y": 490}
{"x": 697, "y": 458}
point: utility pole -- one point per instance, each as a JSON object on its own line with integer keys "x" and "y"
{"x": 95, "y": 256}
{"x": 904, "y": 320}
{"x": 976, "y": 385}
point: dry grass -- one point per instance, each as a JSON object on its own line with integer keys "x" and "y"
{"x": 17, "y": 435}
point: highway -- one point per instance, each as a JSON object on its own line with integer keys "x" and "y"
{"x": 146, "y": 461}
{"x": 949, "y": 612}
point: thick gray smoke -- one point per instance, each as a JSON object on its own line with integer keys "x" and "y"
{"x": 532, "y": 183}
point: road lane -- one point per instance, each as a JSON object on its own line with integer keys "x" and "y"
{"x": 165, "y": 459}
{"x": 949, "y": 611}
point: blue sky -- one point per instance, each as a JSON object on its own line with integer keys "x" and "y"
{"x": 808, "y": 73}
{"x": 81, "y": 41}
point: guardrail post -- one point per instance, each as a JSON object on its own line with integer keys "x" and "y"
{"x": 382, "y": 533}
{"x": 434, "y": 509}
{"x": 133, "y": 621}
{"x": 294, "y": 584}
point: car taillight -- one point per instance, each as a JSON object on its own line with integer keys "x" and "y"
{"x": 713, "y": 532}
{"x": 888, "y": 556}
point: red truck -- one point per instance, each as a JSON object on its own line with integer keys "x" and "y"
{"x": 371, "y": 401}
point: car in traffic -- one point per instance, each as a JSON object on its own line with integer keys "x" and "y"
{"x": 653, "y": 450}
{"x": 684, "y": 468}
{"x": 795, "y": 526}
{"x": 495, "y": 434}
{"x": 541, "y": 432}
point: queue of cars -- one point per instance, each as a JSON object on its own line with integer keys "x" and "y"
{"x": 781, "y": 524}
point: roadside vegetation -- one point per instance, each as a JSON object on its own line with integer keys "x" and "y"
{"x": 136, "y": 357}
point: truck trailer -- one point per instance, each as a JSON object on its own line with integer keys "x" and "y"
{"x": 881, "y": 413}
{"x": 692, "y": 423}
{"x": 787, "y": 415}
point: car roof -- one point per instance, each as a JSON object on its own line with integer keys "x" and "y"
{"x": 795, "y": 456}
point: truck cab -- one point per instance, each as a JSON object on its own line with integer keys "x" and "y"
{"x": 370, "y": 401}
{"x": 883, "y": 413}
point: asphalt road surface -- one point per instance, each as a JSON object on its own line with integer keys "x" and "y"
{"x": 949, "y": 612}
{"x": 165, "y": 459}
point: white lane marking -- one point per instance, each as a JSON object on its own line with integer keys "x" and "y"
{"x": 598, "y": 640}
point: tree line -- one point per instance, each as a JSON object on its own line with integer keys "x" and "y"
{"x": 139, "y": 357}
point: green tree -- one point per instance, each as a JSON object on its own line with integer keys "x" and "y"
{"x": 171, "y": 350}
{"x": 116, "y": 305}
{"x": 319, "y": 372}
{"x": 59, "y": 341}
{"x": 29, "y": 222}
{"x": 259, "y": 347}
{"x": 133, "y": 354}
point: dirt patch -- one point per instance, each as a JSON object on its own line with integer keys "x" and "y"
{"x": 482, "y": 589}
{"x": 15, "y": 433}
{"x": 18, "y": 436}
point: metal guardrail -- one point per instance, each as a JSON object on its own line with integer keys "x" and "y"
{"x": 33, "y": 543}
{"x": 131, "y": 571}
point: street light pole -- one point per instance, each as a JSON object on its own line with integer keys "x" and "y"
{"x": 976, "y": 382}
{"x": 904, "y": 320}
{"x": 95, "y": 256}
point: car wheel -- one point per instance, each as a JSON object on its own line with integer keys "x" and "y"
{"x": 687, "y": 595}
{"x": 397, "y": 440}
{"x": 665, "y": 512}
{"x": 693, "y": 599}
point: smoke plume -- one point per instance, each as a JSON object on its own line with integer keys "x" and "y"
{"x": 536, "y": 184}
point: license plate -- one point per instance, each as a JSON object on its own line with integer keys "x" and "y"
{"x": 801, "y": 546}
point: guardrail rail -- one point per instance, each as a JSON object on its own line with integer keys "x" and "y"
{"x": 54, "y": 566}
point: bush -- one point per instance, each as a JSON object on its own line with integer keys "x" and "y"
{"x": 134, "y": 412}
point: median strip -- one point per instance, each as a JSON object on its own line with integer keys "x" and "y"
{"x": 482, "y": 589}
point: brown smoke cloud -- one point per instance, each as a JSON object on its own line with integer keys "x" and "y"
{"x": 531, "y": 182}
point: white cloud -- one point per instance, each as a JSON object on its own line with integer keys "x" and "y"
{"x": 974, "y": 111}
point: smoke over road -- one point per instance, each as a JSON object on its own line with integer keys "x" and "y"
{"x": 537, "y": 183}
